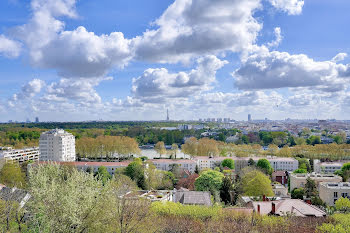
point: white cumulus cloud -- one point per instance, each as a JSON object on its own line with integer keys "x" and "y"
{"x": 292, "y": 7}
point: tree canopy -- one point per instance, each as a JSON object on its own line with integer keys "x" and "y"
{"x": 228, "y": 163}
{"x": 256, "y": 183}
{"x": 209, "y": 180}
{"x": 265, "y": 165}
{"x": 11, "y": 175}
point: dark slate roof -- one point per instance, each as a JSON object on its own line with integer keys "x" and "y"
{"x": 192, "y": 198}
{"x": 12, "y": 194}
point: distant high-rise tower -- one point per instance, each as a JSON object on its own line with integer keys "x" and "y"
{"x": 249, "y": 117}
{"x": 167, "y": 114}
{"x": 36, "y": 119}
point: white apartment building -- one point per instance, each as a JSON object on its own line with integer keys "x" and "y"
{"x": 92, "y": 166}
{"x": 277, "y": 163}
{"x": 327, "y": 167}
{"x": 204, "y": 162}
{"x": 331, "y": 192}
{"x": 20, "y": 155}
{"x": 299, "y": 180}
{"x": 283, "y": 164}
{"x": 57, "y": 145}
{"x": 166, "y": 164}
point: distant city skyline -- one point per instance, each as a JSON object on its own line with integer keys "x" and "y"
{"x": 131, "y": 60}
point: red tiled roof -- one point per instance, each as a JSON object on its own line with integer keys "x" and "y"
{"x": 279, "y": 173}
{"x": 91, "y": 164}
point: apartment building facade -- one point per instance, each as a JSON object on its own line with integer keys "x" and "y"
{"x": 204, "y": 162}
{"x": 299, "y": 180}
{"x": 330, "y": 192}
{"x": 166, "y": 164}
{"x": 277, "y": 163}
{"x": 327, "y": 167}
{"x": 20, "y": 155}
{"x": 57, "y": 145}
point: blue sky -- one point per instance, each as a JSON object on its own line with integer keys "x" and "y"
{"x": 69, "y": 60}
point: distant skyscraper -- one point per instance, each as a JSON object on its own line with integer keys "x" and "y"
{"x": 167, "y": 114}
{"x": 36, "y": 119}
{"x": 249, "y": 117}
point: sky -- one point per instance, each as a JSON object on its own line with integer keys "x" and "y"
{"x": 80, "y": 60}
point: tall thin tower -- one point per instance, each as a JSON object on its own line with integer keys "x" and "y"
{"x": 167, "y": 114}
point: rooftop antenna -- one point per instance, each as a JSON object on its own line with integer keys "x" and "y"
{"x": 167, "y": 114}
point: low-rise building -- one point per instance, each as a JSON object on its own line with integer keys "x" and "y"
{"x": 166, "y": 164}
{"x": 186, "y": 197}
{"x": 92, "y": 166}
{"x": 280, "y": 177}
{"x": 287, "y": 207}
{"x": 299, "y": 180}
{"x": 152, "y": 195}
{"x": 330, "y": 192}
{"x": 279, "y": 190}
{"x": 327, "y": 167}
{"x": 20, "y": 155}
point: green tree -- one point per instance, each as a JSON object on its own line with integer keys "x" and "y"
{"x": 103, "y": 174}
{"x": 174, "y": 148}
{"x": 226, "y": 191}
{"x": 310, "y": 188}
{"x": 343, "y": 205}
{"x": 299, "y": 170}
{"x": 228, "y": 163}
{"x": 251, "y": 162}
{"x": 345, "y": 171}
{"x": 265, "y": 165}
{"x": 209, "y": 180}
{"x": 160, "y": 148}
{"x": 11, "y": 175}
{"x": 256, "y": 183}
{"x": 298, "y": 193}
{"x": 136, "y": 172}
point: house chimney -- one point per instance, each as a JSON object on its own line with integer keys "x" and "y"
{"x": 258, "y": 209}
{"x": 308, "y": 201}
{"x": 273, "y": 211}
{"x": 264, "y": 198}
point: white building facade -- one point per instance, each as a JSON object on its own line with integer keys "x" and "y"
{"x": 330, "y": 192}
{"x": 57, "y": 145}
{"x": 299, "y": 180}
{"x": 166, "y": 164}
{"x": 20, "y": 155}
{"x": 327, "y": 167}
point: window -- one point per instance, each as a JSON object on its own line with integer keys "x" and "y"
{"x": 344, "y": 195}
{"x": 335, "y": 194}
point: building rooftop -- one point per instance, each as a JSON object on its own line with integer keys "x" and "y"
{"x": 57, "y": 131}
{"x": 334, "y": 185}
{"x": 314, "y": 175}
{"x": 293, "y": 207}
{"x": 192, "y": 197}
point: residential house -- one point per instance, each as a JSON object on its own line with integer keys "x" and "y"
{"x": 287, "y": 207}
{"x": 280, "y": 177}
{"x": 186, "y": 197}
